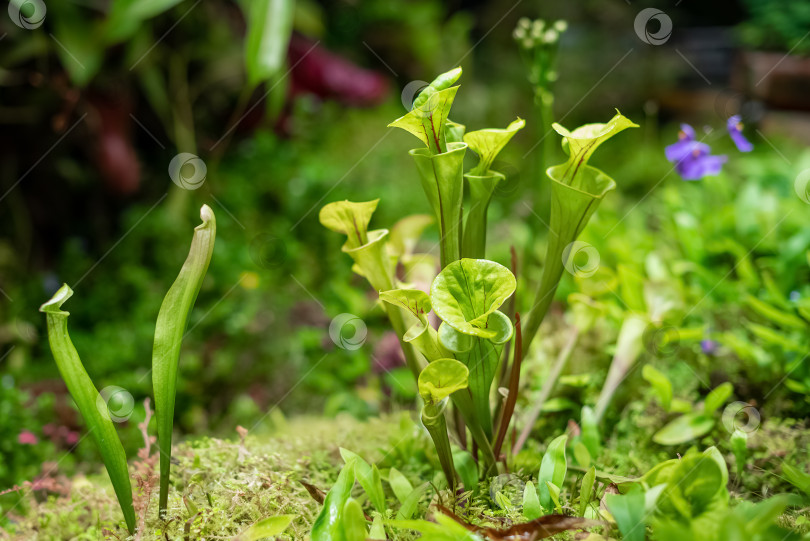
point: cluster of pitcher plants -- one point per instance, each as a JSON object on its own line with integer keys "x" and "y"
{"x": 461, "y": 364}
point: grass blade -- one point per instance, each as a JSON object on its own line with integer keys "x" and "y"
{"x": 171, "y": 324}
{"x": 87, "y": 399}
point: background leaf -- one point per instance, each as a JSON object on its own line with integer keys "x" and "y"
{"x": 411, "y": 501}
{"x": 399, "y": 484}
{"x": 660, "y": 384}
{"x": 685, "y": 428}
{"x": 268, "y": 35}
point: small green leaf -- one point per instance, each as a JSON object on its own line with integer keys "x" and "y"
{"x": 717, "y": 397}
{"x": 586, "y": 490}
{"x": 503, "y": 502}
{"x": 581, "y": 455}
{"x": 660, "y": 383}
{"x": 377, "y": 531}
{"x": 466, "y": 292}
{"x": 782, "y": 318}
{"x": 87, "y": 399}
{"x": 369, "y": 478}
{"x": 531, "y": 503}
{"x": 354, "y": 523}
{"x": 489, "y": 142}
{"x": 696, "y": 482}
{"x": 349, "y": 218}
{"x": 171, "y": 325}
{"x": 553, "y": 468}
{"x": 269, "y": 26}
{"x": 125, "y": 17}
{"x": 685, "y": 428}
{"x": 739, "y": 446}
{"x": 411, "y": 501}
{"x": 590, "y": 432}
{"x": 763, "y": 515}
{"x": 796, "y": 477}
{"x": 715, "y": 454}
{"x": 328, "y": 525}
{"x": 777, "y": 337}
{"x": 444, "y": 529}
{"x": 442, "y": 378}
{"x": 628, "y": 511}
{"x": 399, "y": 484}
{"x": 554, "y": 494}
{"x": 266, "y": 527}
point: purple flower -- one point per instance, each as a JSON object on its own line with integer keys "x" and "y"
{"x": 707, "y": 346}
{"x": 692, "y": 158}
{"x": 677, "y": 151}
{"x": 734, "y": 126}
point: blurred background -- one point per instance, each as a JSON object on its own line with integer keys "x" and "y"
{"x": 97, "y": 97}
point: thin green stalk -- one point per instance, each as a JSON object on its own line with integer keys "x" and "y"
{"x": 552, "y": 272}
{"x": 548, "y": 387}
{"x": 576, "y": 191}
{"x": 628, "y": 348}
{"x": 169, "y": 330}
{"x": 90, "y": 403}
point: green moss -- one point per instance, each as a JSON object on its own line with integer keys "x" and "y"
{"x": 220, "y": 487}
{"x": 225, "y": 489}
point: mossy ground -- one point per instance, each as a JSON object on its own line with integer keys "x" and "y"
{"x": 219, "y": 487}
{"x": 222, "y": 486}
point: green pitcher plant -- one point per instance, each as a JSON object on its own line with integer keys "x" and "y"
{"x": 576, "y": 191}
{"x": 440, "y": 165}
{"x": 169, "y": 331}
{"x": 89, "y": 402}
{"x": 438, "y": 380}
{"x": 466, "y": 296}
{"x": 482, "y": 181}
{"x": 374, "y": 259}
{"x": 468, "y": 290}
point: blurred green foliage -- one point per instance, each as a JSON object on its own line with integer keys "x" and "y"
{"x": 779, "y": 25}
